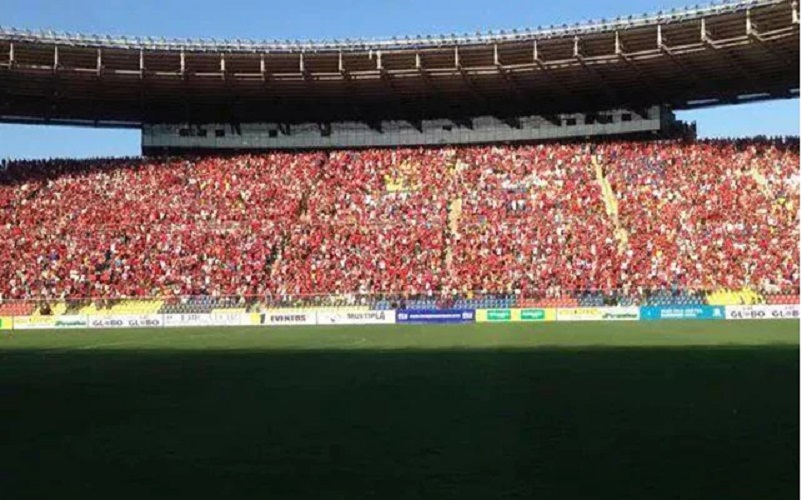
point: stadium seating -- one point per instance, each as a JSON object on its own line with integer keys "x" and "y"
{"x": 549, "y": 225}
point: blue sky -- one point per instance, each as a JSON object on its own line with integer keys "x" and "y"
{"x": 316, "y": 19}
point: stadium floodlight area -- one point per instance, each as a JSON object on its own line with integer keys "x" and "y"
{"x": 703, "y": 56}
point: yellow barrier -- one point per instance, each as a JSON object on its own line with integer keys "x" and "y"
{"x": 6, "y": 322}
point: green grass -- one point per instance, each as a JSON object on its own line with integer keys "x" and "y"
{"x": 580, "y": 410}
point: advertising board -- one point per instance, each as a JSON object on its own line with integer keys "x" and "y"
{"x": 682, "y": 312}
{"x": 127, "y": 321}
{"x": 763, "y": 312}
{"x": 493, "y": 315}
{"x": 272, "y": 318}
{"x": 579, "y": 314}
{"x": 230, "y": 319}
{"x": 50, "y": 322}
{"x": 171, "y": 320}
{"x": 435, "y": 316}
{"x": 6, "y": 322}
{"x": 620, "y": 313}
{"x": 355, "y": 317}
{"x": 534, "y": 314}
{"x": 515, "y": 315}
{"x": 598, "y": 314}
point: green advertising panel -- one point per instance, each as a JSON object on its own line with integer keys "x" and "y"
{"x": 533, "y": 315}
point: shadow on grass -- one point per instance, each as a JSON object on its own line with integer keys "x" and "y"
{"x": 555, "y": 423}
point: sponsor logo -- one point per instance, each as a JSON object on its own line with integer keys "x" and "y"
{"x": 354, "y": 317}
{"x": 533, "y": 315}
{"x": 363, "y": 316}
{"x": 787, "y": 313}
{"x": 106, "y": 322}
{"x": 621, "y": 315}
{"x": 748, "y": 314}
{"x": 73, "y": 323}
{"x": 284, "y": 318}
{"x": 287, "y": 318}
{"x": 499, "y": 315}
{"x": 436, "y": 316}
{"x": 762, "y": 312}
{"x": 137, "y": 323}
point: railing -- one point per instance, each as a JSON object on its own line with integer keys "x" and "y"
{"x": 438, "y": 300}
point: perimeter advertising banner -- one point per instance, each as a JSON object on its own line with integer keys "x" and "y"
{"x": 598, "y": 314}
{"x": 6, "y": 322}
{"x": 682, "y": 312}
{"x": 272, "y": 318}
{"x": 355, "y": 317}
{"x": 515, "y": 315}
{"x": 435, "y": 316}
{"x": 763, "y": 312}
{"x": 230, "y": 319}
{"x": 127, "y": 321}
{"x": 50, "y": 322}
{"x": 188, "y": 320}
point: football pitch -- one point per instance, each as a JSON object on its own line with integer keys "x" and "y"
{"x": 642, "y": 410}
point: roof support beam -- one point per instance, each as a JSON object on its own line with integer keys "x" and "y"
{"x": 467, "y": 79}
{"x": 422, "y": 72}
{"x": 704, "y": 35}
{"x": 99, "y": 64}
{"x": 666, "y": 50}
{"x": 508, "y": 78}
{"x": 55, "y": 58}
{"x": 725, "y": 56}
{"x": 544, "y": 69}
{"x": 183, "y": 64}
{"x": 620, "y": 51}
{"x": 603, "y": 83}
{"x": 11, "y": 60}
{"x": 141, "y": 64}
{"x": 753, "y": 33}
{"x": 795, "y": 12}
{"x": 223, "y": 65}
{"x": 341, "y": 66}
{"x": 262, "y": 67}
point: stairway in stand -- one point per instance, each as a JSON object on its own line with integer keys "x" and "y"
{"x": 610, "y": 204}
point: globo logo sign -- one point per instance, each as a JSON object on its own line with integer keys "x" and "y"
{"x": 762, "y": 312}
{"x": 129, "y": 321}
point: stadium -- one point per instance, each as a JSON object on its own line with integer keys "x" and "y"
{"x": 491, "y": 265}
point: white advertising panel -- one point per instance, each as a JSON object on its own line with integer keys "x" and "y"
{"x": 355, "y": 317}
{"x": 763, "y": 312}
{"x": 230, "y": 319}
{"x": 271, "y": 318}
{"x": 598, "y": 314}
{"x": 50, "y": 322}
{"x": 188, "y": 320}
{"x": 620, "y": 313}
{"x": 127, "y": 321}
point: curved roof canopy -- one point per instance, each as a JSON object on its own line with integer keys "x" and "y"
{"x": 726, "y": 52}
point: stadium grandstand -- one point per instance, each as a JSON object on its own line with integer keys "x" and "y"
{"x": 535, "y": 168}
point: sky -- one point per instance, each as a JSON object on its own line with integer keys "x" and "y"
{"x": 326, "y": 19}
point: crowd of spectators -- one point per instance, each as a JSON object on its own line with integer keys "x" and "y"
{"x": 525, "y": 220}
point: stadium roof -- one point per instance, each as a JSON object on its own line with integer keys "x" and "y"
{"x": 721, "y": 53}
